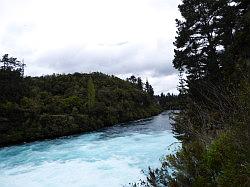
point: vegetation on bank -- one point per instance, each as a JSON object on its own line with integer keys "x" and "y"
{"x": 33, "y": 108}
{"x": 213, "y": 51}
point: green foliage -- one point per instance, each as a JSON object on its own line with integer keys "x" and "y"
{"x": 11, "y": 84}
{"x": 169, "y": 101}
{"x": 139, "y": 83}
{"x": 205, "y": 40}
{"x": 91, "y": 93}
{"x": 57, "y": 105}
{"x": 213, "y": 125}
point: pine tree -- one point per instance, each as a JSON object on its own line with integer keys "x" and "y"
{"x": 139, "y": 83}
{"x": 151, "y": 91}
{"x": 213, "y": 46}
{"x": 147, "y": 86}
{"x": 204, "y": 36}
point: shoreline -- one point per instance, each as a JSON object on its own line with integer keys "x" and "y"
{"x": 81, "y": 131}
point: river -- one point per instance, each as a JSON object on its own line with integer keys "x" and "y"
{"x": 111, "y": 157}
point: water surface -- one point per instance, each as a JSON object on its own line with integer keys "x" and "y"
{"x": 111, "y": 157}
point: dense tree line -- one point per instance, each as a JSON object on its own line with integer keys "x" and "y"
{"x": 166, "y": 101}
{"x": 169, "y": 101}
{"x": 213, "y": 51}
{"x": 49, "y": 106}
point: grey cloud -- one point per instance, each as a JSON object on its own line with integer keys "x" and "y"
{"x": 128, "y": 59}
{"x": 115, "y": 44}
{"x": 23, "y": 37}
{"x": 122, "y": 43}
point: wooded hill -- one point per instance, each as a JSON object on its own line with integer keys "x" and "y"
{"x": 33, "y": 108}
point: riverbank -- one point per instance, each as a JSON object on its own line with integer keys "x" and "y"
{"x": 54, "y": 126}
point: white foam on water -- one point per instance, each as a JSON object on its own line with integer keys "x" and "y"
{"x": 111, "y": 172}
{"x": 89, "y": 160}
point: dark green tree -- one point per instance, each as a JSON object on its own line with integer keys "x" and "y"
{"x": 132, "y": 79}
{"x": 11, "y": 79}
{"x": 151, "y": 91}
{"x": 204, "y": 37}
{"x": 139, "y": 83}
{"x": 147, "y": 86}
{"x": 91, "y": 93}
{"x": 212, "y": 49}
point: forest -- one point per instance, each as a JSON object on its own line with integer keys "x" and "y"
{"x": 213, "y": 53}
{"x": 34, "y": 108}
{"x": 210, "y": 115}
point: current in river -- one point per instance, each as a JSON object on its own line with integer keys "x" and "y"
{"x": 111, "y": 157}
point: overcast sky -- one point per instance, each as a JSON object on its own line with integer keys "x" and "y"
{"x": 120, "y": 37}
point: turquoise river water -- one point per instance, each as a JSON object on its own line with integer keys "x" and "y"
{"x": 111, "y": 157}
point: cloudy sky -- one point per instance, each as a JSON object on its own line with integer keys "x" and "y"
{"x": 120, "y": 37}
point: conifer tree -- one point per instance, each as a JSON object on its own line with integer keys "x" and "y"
{"x": 139, "y": 83}
{"x": 212, "y": 49}
{"x": 204, "y": 37}
{"x": 147, "y": 86}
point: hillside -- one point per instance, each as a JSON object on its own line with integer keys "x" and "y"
{"x": 34, "y": 108}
